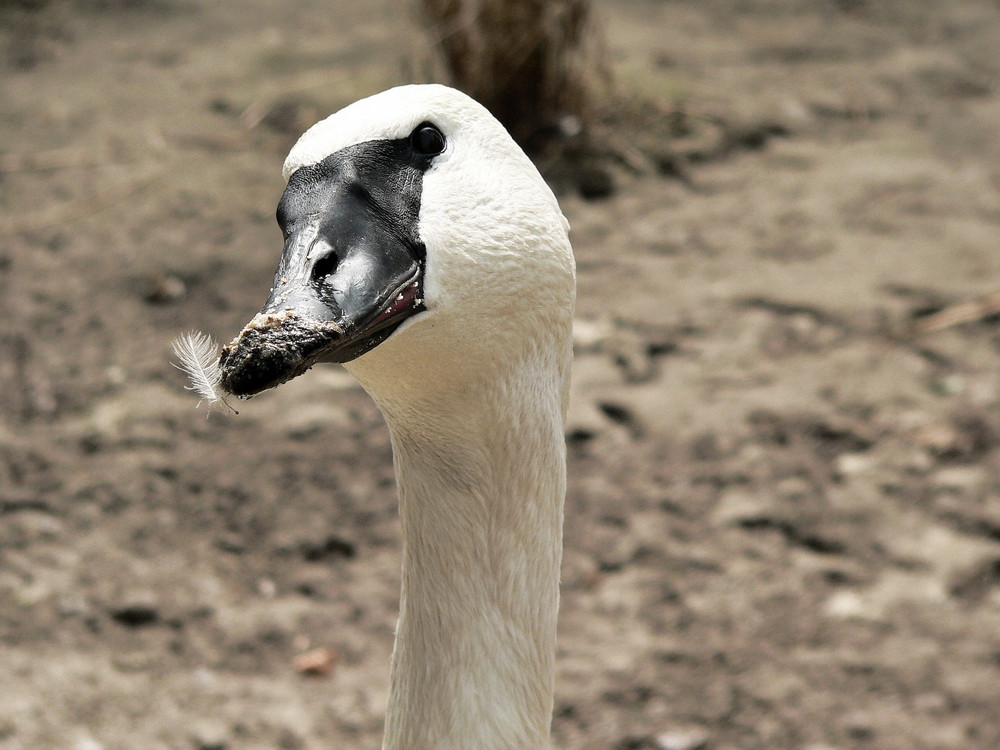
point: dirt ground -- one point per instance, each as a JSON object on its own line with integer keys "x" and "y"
{"x": 783, "y": 524}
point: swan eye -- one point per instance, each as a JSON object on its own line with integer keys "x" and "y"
{"x": 427, "y": 140}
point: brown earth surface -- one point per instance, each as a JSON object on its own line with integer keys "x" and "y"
{"x": 783, "y": 524}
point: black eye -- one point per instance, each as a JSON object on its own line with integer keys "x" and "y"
{"x": 426, "y": 139}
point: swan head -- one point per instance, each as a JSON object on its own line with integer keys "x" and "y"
{"x": 417, "y": 234}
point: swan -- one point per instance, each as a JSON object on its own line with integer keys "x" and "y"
{"x": 423, "y": 250}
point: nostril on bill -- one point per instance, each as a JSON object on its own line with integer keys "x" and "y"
{"x": 324, "y": 267}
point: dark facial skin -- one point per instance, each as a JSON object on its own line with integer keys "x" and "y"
{"x": 352, "y": 267}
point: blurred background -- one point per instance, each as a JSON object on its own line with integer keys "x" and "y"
{"x": 783, "y": 524}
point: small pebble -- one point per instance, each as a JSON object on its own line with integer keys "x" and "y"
{"x": 209, "y": 734}
{"x": 738, "y": 506}
{"x": 683, "y": 739}
{"x": 163, "y": 288}
{"x": 851, "y": 464}
{"x": 319, "y": 662}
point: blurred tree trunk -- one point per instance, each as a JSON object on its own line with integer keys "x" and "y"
{"x": 533, "y": 63}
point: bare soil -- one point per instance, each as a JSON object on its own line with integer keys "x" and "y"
{"x": 783, "y": 524}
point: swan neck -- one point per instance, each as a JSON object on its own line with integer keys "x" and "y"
{"x": 481, "y": 480}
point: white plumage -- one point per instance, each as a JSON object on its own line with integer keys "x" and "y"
{"x": 474, "y": 391}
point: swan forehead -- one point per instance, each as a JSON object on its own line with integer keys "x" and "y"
{"x": 389, "y": 115}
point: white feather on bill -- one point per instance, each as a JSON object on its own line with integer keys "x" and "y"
{"x": 199, "y": 359}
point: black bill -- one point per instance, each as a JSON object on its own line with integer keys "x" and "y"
{"x": 352, "y": 268}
